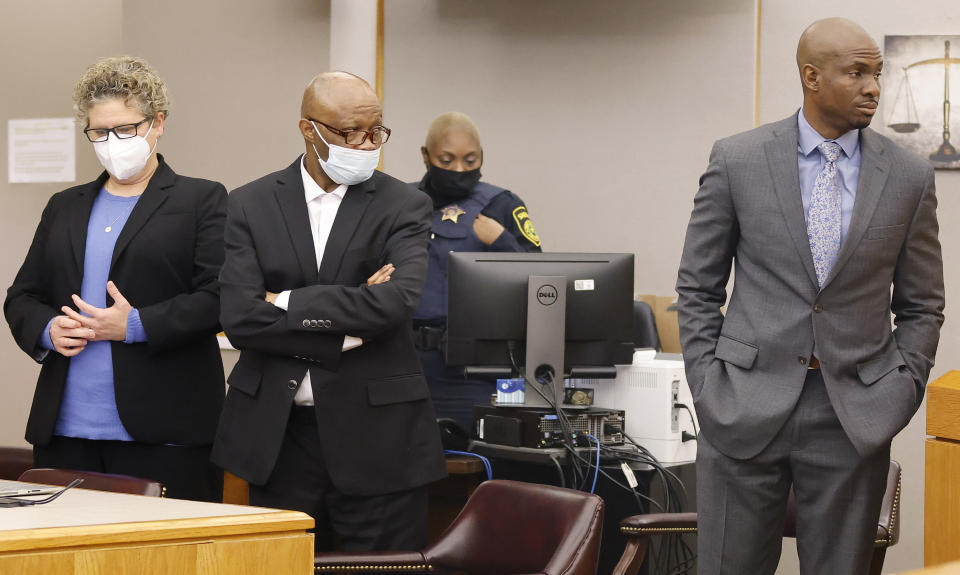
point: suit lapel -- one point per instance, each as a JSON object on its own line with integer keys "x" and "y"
{"x": 293, "y": 205}
{"x": 153, "y": 197}
{"x": 874, "y": 169}
{"x": 80, "y": 219}
{"x": 351, "y": 210}
{"x": 781, "y": 153}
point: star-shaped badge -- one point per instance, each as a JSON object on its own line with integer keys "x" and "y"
{"x": 451, "y": 213}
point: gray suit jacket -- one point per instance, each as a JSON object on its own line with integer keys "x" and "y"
{"x": 746, "y": 369}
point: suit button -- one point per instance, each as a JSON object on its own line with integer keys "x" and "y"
{"x": 292, "y": 384}
{"x": 802, "y": 360}
{"x": 306, "y": 323}
{"x": 313, "y": 323}
{"x": 327, "y": 323}
{"x": 817, "y": 308}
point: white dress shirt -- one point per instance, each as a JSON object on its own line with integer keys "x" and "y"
{"x": 322, "y": 208}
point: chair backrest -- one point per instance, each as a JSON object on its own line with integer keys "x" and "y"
{"x": 14, "y": 461}
{"x": 516, "y": 527}
{"x": 639, "y": 528}
{"x": 889, "y": 511}
{"x": 645, "y": 334}
{"x": 95, "y": 481}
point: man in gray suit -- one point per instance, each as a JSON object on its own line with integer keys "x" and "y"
{"x": 804, "y": 382}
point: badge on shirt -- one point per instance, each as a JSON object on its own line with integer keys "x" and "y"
{"x": 451, "y": 213}
{"x": 525, "y": 226}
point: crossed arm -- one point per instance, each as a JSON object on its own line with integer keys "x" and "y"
{"x": 385, "y": 301}
{"x": 163, "y": 324}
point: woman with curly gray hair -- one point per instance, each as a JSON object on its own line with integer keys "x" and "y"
{"x": 118, "y": 299}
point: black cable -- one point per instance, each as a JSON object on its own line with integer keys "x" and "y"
{"x": 563, "y": 479}
{"x": 625, "y": 487}
{"x": 672, "y": 556}
{"x": 654, "y": 461}
{"x": 696, "y": 432}
{"x": 566, "y": 435}
{"x": 566, "y": 431}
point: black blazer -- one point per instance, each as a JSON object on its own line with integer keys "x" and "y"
{"x": 377, "y": 424}
{"x": 166, "y": 261}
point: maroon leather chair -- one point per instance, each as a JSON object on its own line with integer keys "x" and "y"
{"x": 506, "y": 527}
{"x": 96, "y": 481}
{"x": 638, "y": 529}
{"x": 14, "y": 461}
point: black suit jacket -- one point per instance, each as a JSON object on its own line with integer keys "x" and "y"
{"x": 377, "y": 424}
{"x": 166, "y": 261}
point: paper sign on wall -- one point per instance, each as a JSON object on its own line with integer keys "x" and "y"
{"x": 41, "y": 150}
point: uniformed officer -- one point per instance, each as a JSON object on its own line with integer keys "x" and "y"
{"x": 469, "y": 216}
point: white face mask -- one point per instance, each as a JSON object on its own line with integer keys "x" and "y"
{"x": 347, "y": 165}
{"x": 124, "y": 158}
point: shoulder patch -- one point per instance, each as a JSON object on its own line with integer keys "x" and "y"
{"x": 525, "y": 226}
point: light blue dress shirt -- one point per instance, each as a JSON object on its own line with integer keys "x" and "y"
{"x": 811, "y": 162}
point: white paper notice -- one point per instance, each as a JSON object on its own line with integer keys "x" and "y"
{"x": 42, "y": 150}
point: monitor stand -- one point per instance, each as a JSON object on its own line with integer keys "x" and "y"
{"x": 546, "y": 329}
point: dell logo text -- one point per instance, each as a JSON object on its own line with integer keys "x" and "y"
{"x": 547, "y": 294}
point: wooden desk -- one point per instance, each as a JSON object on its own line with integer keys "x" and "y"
{"x": 94, "y": 532}
{"x": 941, "y": 518}
{"x": 945, "y": 569}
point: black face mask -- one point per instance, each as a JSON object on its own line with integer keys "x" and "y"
{"x": 447, "y": 186}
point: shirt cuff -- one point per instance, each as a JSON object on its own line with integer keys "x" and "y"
{"x": 350, "y": 342}
{"x": 505, "y": 243}
{"x": 135, "y": 331}
{"x": 283, "y": 300}
{"x": 44, "y": 340}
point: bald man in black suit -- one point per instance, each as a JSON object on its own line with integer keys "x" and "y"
{"x": 328, "y": 410}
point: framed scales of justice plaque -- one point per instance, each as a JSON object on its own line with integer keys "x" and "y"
{"x": 919, "y": 74}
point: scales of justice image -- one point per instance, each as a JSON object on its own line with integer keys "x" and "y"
{"x": 909, "y": 122}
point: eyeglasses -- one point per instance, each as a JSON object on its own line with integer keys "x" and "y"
{"x": 378, "y": 135}
{"x": 15, "y": 502}
{"x": 122, "y": 132}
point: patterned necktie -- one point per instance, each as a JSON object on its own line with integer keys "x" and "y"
{"x": 823, "y": 218}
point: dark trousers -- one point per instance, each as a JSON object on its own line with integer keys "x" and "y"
{"x": 453, "y": 394}
{"x": 186, "y": 471}
{"x": 390, "y": 522}
{"x": 741, "y": 504}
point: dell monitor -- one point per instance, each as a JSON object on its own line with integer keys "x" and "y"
{"x": 543, "y": 316}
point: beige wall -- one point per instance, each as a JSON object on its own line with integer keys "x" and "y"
{"x": 600, "y": 115}
{"x": 44, "y": 47}
{"x": 236, "y": 71}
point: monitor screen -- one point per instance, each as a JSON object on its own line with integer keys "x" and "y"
{"x": 487, "y": 314}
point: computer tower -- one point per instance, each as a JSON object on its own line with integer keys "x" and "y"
{"x": 539, "y": 427}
